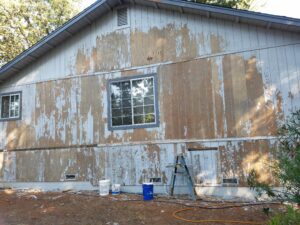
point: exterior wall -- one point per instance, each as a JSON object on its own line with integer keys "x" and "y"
{"x": 132, "y": 164}
{"x": 221, "y": 84}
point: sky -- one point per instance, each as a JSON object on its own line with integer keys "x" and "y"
{"x": 290, "y": 8}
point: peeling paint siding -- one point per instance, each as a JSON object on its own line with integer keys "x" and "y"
{"x": 235, "y": 95}
{"x": 152, "y": 34}
{"x": 133, "y": 165}
{"x": 216, "y": 80}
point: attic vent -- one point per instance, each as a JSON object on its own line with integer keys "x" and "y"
{"x": 122, "y": 17}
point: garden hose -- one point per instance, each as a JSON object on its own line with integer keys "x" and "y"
{"x": 211, "y": 221}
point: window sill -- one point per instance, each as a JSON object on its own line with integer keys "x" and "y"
{"x": 143, "y": 126}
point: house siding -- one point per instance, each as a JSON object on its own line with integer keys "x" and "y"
{"x": 221, "y": 84}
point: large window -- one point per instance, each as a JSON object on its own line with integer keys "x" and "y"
{"x": 10, "y": 106}
{"x": 133, "y": 102}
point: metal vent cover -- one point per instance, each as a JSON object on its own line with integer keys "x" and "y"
{"x": 230, "y": 181}
{"x": 122, "y": 17}
{"x": 70, "y": 177}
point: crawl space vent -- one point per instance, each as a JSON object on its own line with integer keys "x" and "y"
{"x": 230, "y": 181}
{"x": 155, "y": 179}
{"x": 122, "y": 17}
{"x": 70, "y": 177}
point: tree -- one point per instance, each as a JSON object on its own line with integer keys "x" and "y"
{"x": 239, "y": 4}
{"x": 24, "y": 22}
{"x": 286, "y": 163}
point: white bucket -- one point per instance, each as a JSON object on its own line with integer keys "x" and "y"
{"x": 104, "y": 187}
{"x": 116, "y": 189}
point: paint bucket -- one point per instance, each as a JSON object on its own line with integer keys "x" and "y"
{"x": 148, "y": 191}
{"x": 115, "y": 189}
{"x": 104, "y": 187}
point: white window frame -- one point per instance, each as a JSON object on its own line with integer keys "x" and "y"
{"x": 133, "y": 125}
{"x": 19, "y": 93}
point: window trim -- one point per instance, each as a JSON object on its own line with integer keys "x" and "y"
{"x": 156, "y": 105}
{"x": 20, "y": 107}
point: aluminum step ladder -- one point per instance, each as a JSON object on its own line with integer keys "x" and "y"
{"x": 180, "y": 168}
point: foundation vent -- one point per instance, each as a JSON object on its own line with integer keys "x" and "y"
{"x": 230, "y": 181}
{"x": 122, "y": 17}
{"x": 155, "y": 179}
{"x": 70, "y": 177}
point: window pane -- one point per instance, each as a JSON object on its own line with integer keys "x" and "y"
{"x": 115, "y": 91}
{"x": 149, "y": 100}
{"x": 126, "y": 94}
{"x": 126, "y": 111}
{"x": 138, "y": 110}
{"x": 148, "y": 84}
{"x": 149, "y": 91}
{"x": 138, "y": 119}
{"x": 5, "y": 107}
{"x": 149, "y": 109}
{"x": 17, "y": 110}
{"x": 137, "y": 101}
{"x": 149, "y": 118}
{"x": 127, "y": 120}
{"x": 116, "y": 112}
{"x": 126, "y": 86}
{"x": 117, "y": 121}
{"x": 116, "y": 103}
{"x": 126, "y": 103}
{"x": 11, "y": 113}
{"x": 14, "y": 106}
{"x": 138, "y": 88}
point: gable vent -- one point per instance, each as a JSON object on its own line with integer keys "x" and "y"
{"x": 122, "y": 17}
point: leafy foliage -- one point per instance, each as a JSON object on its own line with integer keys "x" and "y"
{"x": 286, "y": 166}
{"x": 291, "y": 217}
{"x": 239, "y": 4}
{"x": 24, "y": 22}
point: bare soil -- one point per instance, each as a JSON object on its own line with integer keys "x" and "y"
{"x": 32, "y": 207}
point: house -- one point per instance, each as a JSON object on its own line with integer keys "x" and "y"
{"x": 122, "y": 88}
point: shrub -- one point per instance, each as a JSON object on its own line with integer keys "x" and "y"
{"x": 291, "y": 217}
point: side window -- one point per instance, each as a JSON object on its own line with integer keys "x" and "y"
{"x": 133, "y": 103}
{"x": 10, "y": 106}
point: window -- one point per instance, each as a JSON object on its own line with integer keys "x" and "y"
{"x": 10, "y": 106}
{"x": 133, "y": 102}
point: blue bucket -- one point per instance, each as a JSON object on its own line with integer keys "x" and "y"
{"x": 148, "y": 191}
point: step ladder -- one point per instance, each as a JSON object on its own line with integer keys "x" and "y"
{"x": 180, "y": 168}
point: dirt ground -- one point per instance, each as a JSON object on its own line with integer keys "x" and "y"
{"x": 32, "y": 207}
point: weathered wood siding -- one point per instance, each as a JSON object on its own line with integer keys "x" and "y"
{"x": 218, "y": 81}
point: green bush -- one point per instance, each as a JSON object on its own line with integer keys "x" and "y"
{"x": 286, "y": 164}
{"x": 291, "y": 217}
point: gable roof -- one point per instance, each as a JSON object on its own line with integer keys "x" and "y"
{"x": 101, "y": 7}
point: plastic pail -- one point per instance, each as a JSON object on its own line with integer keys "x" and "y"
{"x": 104, "y": 187}
{"x": 116, "y": 189}
{"x": 148, "y": 191}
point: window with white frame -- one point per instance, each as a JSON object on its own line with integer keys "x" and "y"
{"x": 10, "y": 106}
{"x": 133, "y": 102}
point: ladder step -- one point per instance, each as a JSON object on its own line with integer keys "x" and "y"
{"x": 180, "y": 173}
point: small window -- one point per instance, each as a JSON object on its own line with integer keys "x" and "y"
{"x": 10, "y": 106}
{"x": 133, "y": 103}
{"x": 122, "y": 17}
